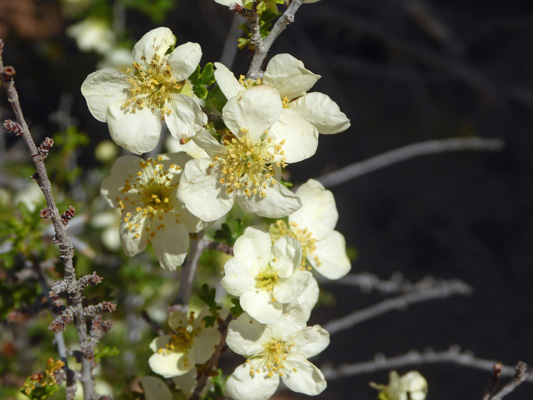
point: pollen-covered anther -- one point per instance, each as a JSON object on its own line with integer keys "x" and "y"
{"x": 247, "y": 167}
{"x": 151, "y": 86}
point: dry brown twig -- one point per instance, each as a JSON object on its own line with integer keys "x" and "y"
{"x": 70, "y": 286}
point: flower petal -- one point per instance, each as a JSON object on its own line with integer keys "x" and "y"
{"x": 260, "y": 306}
{"x": 167, "y": 365}
{"x": 133, "y": 235}
{"x": 186, "y": 117}
{"x": 208, "y": 143}
{"x": 238, "y": 277}
{"x": 170, "y": 240}
{"x": 299, "y": 136}
{"x": 103, "y": 88}
{"x": 184, "y": 60}
{"x": 287, "y": 254}
{"x": 322, "y": 112}
{"x": 201, "y": 191}
{"x": 227, "y": 82}
{"x": 309, "y": 296}
{"x": 137, "y": 132}
{"x": 278, "y": 202}
{"x": 186, "y": 383}
{"x": 310, "y": 341}
{"x": 121, "y": 170}
{"x": 244, "y": 336}
{"x": 289, "y": 76}
{"x": 331, "y": 251}
{"x": 155, "y": 389}
{"x": 204, "y": 345}
{"x": 307, "y": 379}
{"x": 177, "y": 320}
{"x": 157, "y": 41}
{"x": 242, "y": 385}
{"x": 254, "y": 247}
{"x": 318, "y": 213}
{"x": 255, "y": 110}
{"x": 287, "y": 290}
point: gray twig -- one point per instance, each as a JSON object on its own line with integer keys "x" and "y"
{"x": 439, "y": 291}
{"x": 368, "y": 282}
{"x": 230, "y": 45}
{"x": 404, "y": 153}
{"x": 38, "y": 154}
{"x": 261, "y": 51}
{"x": 188, "y": 271}
{"x": 453, "y": 355}
{"x": 522, "y": 375}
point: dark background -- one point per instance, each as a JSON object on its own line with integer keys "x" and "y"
{"x": 456, "y": 68}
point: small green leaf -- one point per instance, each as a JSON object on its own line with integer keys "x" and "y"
{"x": 236, "y": 310}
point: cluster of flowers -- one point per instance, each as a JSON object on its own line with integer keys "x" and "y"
{"x": 269, "y": 123}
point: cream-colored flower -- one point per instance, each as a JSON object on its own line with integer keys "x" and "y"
{"x": 145, "y": 192}
{"x": 290, "y": 77}
{"x": 134, "y": 103}
{"x": 265, "y": 276}
{"x": 92, "y": 34}
{"x": 275, "y": 351}
{"x": 190, "y": 343}
{"x": 411, "y": 386}
{"x": 313, "y": 225}
{"x": 246, "y": 167}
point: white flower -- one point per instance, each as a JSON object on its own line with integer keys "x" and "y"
{"x": 289, "y": 76}
{"x": 246, "y": 167}
{"x": 145, "y": 192}
{"x": 155, "y": 389}
{"x": 190, "y": 343}
{"x": 134, "y": 103}
{"x": 313, "y": 225}
{"x": 265, "y": 276}
{"x": 275, "y": 351}
{"x": 411, "y": 386}
{"x": 109, "y": 222}
{"x": 92, "y": 34}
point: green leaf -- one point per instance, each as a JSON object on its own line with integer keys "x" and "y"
{"x": 208, "y": 296}
{"x": 105, "y": 351}
{"x": 202, "y": 78}
{"x": 229, "y": 235}
{"x": 236, "y": 310}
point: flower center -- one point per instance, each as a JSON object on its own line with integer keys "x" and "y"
{"x": 152, "y": 86}
{"x": 182, "y": 339}
{"x": 304, "y": 236}
{"x": 267, "y": 279}
{"x": 248, "y": 167}
{"x": 272, "y": 359}
{"x": 148, "y": 195}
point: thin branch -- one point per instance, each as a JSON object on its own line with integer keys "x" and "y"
{"x": 453, "y": 355}
{"x": 205, "y": 373}
{"x": 38, "y": 155}
{"x": 522, "y": 375}
{"x": 439, "y": 291}
{"x": 255, "y": 71}
{"x": 368, "y": 282}
{"x": 404, "y": 153}
{"x": 229, "y": 51}
{"x": 188, "y": 272}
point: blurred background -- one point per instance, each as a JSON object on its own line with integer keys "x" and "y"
{"x": 404, "y": 71}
